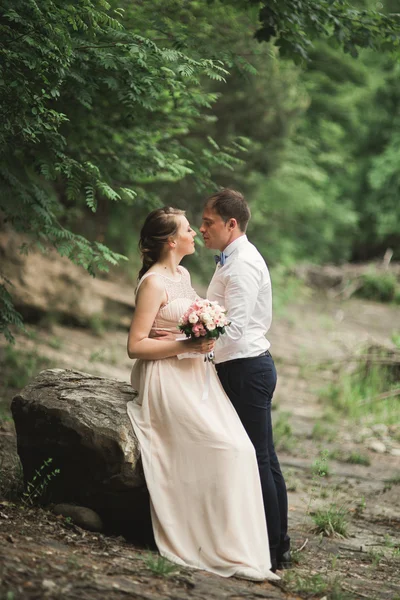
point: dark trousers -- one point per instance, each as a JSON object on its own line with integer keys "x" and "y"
{"x": 250, "y": 383}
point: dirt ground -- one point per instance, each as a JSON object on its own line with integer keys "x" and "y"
{"x": 45, "y": 556}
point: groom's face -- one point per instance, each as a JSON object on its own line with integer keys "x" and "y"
{"x": 216, "y": 233}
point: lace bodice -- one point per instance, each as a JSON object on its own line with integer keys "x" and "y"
{"x": 179, "y": 289}
{"x": 180, "y": 296}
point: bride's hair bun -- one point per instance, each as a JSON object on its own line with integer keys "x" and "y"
{"x": 159, "y": 225}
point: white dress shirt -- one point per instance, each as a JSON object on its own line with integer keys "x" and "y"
{"x": 243, "y": 286}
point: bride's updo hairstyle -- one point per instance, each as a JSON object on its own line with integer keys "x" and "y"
{"x": 159, "y": 225}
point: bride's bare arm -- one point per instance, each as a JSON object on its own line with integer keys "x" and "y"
{"x": 150, "y": 297}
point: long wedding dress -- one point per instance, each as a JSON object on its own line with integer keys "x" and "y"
{"x": 200, "y": 466}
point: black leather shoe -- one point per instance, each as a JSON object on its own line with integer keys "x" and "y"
{"x": 285, "y": 560}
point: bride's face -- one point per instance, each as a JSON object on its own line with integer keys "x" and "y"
{"x": 185, "y": 237}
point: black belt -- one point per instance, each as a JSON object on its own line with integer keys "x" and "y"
{"x": 228, "y": 362}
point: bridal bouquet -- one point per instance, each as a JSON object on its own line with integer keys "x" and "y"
{"x": 204, "y": 319}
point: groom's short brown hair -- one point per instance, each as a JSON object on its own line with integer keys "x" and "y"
{"x": 230, "y": 204}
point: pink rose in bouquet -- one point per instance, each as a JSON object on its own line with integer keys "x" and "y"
{"x": 204, "y": 319}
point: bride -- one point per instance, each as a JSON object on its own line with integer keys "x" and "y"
{"x": 200, "y": 466}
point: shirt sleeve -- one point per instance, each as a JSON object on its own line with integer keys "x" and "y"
{"x": 241, "y": 293}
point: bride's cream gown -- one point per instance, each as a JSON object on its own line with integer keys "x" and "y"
{"x": 199, "y": 464}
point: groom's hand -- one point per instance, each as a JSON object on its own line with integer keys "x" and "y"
{"x": 165, "y": 336}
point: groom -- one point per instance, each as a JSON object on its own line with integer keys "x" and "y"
{"x": 242, "y": 284}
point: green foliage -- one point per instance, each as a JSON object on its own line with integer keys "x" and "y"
{"x": 314, "y": 134}
{"x": 331, "y": 521}
{"x": 360, "y": 507}
{"x": 315, "y": 585}
{"x": 286, "y": 288}
{"x": 9, "y": 317}
{"x": 55, "y": 343}
{"x": 396, "y": 338}
{"x": 292, "y": 482}
{"x": 368, "y": 392}
{"x": 92, "y": 111}
{"x": 160, "y": 566}
{"x": 320, "y": 466}
{"x": 97, "y": 356}
{"x": 37, "y": 486}
{"x": 283, "y": 434}
{"x": 18, "y": 368}
{"x": 112, "y": 108}
{"x": 97, "y": 324}
{"x": 379, "y": 286}
{"x": 392, "y": 481}
{"x": 321, "y": 431}
{"x": 355, "y": 458}
{"x": 320, "y": 470}
{"x": 305, "y": 584}
{"x": 375, "y": 556}
{"x": 292, "y": 23}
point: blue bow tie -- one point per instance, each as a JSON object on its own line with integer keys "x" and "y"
{"x": 220, "y": 258}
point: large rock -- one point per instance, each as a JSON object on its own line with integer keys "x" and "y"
{"x": 80, "y": 422}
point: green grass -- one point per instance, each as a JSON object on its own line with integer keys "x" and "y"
{"x": 18, "y": 368}
{"x": 305, "y": 584}
{"x": 283, "y": 435}
{"x": 5, "y": 412}
{"x": 159, "y": 565}
{"x": 331, "y": 521}
{"x": 55, "y": 342}
{"x": 97, "y": 324}
{"x": 98, "y": 356}
{"x": 288, "y": 288}
{"x": 320, "y": 467}
{"x": 376, "y": 556}
{"x": 390, "y": 542}
{"x": 389, "y": 483}
{"x": 360, "y": 395}
{"x": 396, "y": 338}
{"x": 360, "y": 507}
{"x": 297, "y": 556}
{"x": 395, "y": 480}
{"x": 37, "y": 486}
{"x": 104, "y": 355}
{"x": 379, "y": 286}
{"x": 355, "y": 458}
{"x": 292, "y": 482}
{"x": 321, "y": 431}
{"x": 315, "y": 586}
{"x": 319, "y": 470}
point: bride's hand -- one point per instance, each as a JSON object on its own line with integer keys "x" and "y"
{"x": 202, "y": 345}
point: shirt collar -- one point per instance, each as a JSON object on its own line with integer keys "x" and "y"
{"x": 234, "y": 245}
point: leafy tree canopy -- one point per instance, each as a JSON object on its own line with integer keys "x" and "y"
{"x": 100, "y": 101}
{"x": 293, "y": 24}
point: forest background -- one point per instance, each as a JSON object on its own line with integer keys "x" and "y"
{"x": 110, "y": 109}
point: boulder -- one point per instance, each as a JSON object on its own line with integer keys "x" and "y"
{"x": 80, "y": 422}
{"x": 80, "y": 515}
